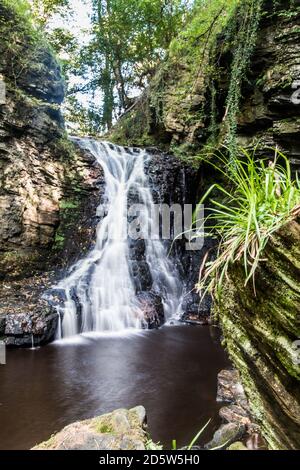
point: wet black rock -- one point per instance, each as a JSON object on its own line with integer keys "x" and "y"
{"x": 141, "y": 275}
{"x": 137, "y": 249}
{"x": 27, "y": 329}
{"x": 191, "y": 262}
{"x": 51, "y": 87}
{"x": 55, "y": 296}
{"x": 74, "y": 297}
{"x": 237, "y": 411}
{"x": 172, "y": 182}
{"x": 152, "y": 308}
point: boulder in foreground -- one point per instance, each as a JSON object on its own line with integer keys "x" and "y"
{"x": 120, "y": 430}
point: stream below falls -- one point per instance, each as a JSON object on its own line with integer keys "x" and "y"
{"x": 171, "y": 371}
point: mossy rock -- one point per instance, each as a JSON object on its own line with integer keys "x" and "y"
{"x": 120, "y": 430}
{"x": 237, "y": 446}
{"x": 260, "y": 333}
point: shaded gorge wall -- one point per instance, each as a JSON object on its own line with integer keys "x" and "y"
{"x": 260, "y": 333}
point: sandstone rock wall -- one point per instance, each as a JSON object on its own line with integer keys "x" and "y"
{"x": 42, "y": 177}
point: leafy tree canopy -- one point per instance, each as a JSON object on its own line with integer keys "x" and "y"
{"x": 128, "y": 39}
{"x": 111, "y": 62}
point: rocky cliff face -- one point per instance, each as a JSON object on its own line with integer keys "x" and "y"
{"x": 270, "y": 110}
{"x": 42, "y": 176}
{"x": 47, "y": 187}
{"x": 260, "y": 330}
{"x": 175, "y": 182}
{"x": 262, "y": 334}
{"x": 185, "y": 108}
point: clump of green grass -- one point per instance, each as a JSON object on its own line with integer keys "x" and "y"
{"x": 261, "y": 197}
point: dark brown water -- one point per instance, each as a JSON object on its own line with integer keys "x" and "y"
{"x": 172, "y": 372}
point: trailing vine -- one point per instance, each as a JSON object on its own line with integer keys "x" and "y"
{"x": 243, "y": 45}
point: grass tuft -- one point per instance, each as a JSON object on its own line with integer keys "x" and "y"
{"x": 261, "y": 196}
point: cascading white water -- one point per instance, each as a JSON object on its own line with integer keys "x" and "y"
{"x": 102, "y": 281}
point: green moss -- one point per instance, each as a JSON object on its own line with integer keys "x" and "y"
{"x": 237, "y": 446}
{"x": 186, "y": 152}
{"x": 27, "y": 100}
{"x": 65, "y": 147}
{"x": 69, "y": 211}
{"x": 68, "y": 204}
{"x": 59, "y": 241}
{"x": 21, "y": 41}
{"x": 134, "y": 128}
{"x": 104, "y": 428}
{"x": 50, "y": 443}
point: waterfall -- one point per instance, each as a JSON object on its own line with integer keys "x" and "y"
{"x": 99, "y": 290}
